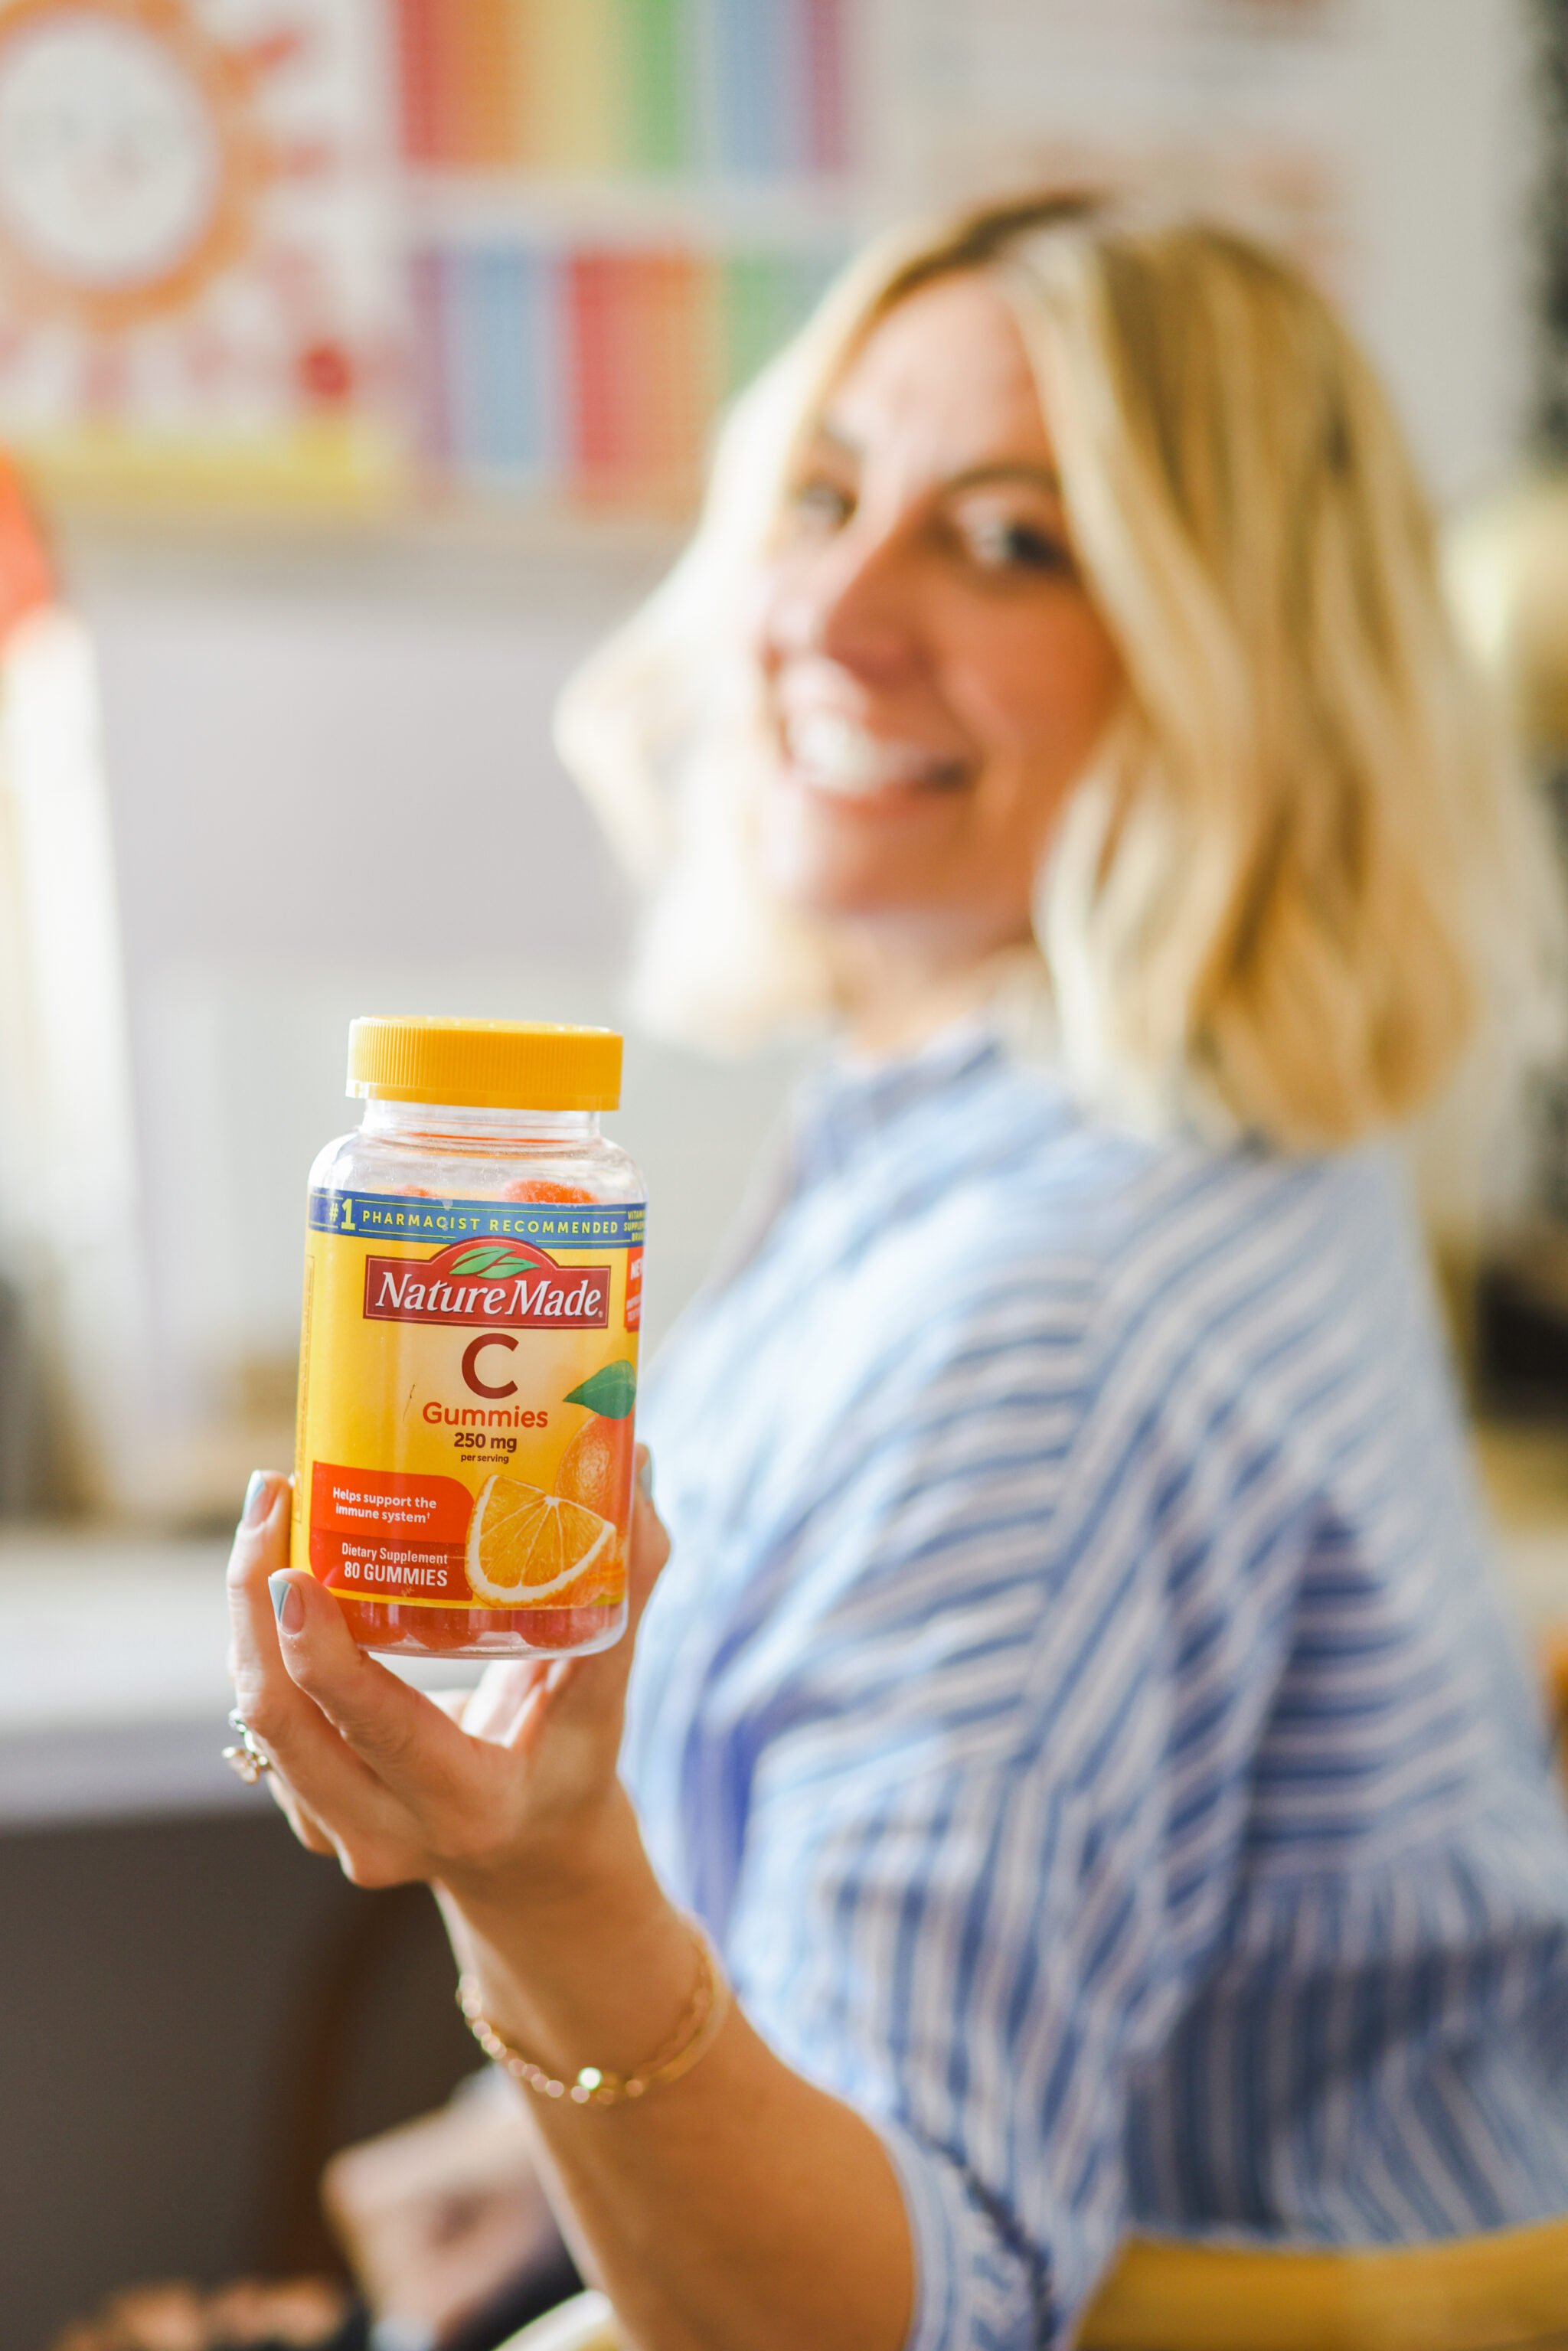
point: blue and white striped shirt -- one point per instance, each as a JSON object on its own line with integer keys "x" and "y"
{"x": 1078, "y": 1702}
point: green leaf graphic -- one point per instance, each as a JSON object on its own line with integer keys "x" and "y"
{"x": 611, "y": 1393}
{"x": 485, "y": 1258}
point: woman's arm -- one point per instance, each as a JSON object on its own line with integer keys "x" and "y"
{"x": 738, "y": 2206}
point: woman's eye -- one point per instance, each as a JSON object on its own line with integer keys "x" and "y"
{"x": 1017, "y": 546}
{"x": 821, "y": 504}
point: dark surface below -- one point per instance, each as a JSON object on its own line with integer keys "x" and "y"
{"x": 192, "y": 2014}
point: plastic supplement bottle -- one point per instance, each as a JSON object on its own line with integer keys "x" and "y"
{"x": 468, "y": 1352}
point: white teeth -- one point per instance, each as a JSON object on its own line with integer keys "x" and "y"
{"x": 841, "y": 756}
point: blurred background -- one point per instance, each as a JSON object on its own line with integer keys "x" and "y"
{"x": 357, "y": 362}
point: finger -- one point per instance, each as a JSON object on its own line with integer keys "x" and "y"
{"x": 649, "y": 1549}
{"x": 591, "y": 1692}
{"x": 500, "y": 1695}
{"x": 260, "y": 1545}
{"x": 302, "y": 1820}
{"x": 333, "y": 1784}
{"x": 415, "y": 1751}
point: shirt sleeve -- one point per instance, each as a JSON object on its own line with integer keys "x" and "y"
{"x": 996, "y": 1787}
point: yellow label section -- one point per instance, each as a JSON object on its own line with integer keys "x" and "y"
{"x": 467, "y": 1381}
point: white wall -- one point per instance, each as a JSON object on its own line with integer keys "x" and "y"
{"x": 1442, "y": 143}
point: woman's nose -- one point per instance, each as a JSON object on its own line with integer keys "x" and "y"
{"x": 852, "y": 601}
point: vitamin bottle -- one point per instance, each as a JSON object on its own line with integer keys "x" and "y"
{"x": 468, "y": 1353}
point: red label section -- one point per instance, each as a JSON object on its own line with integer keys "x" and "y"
{"x": 635, "y": 1289}
{"x": 412, "y": 1289}
{"x": 388, "y": 1536}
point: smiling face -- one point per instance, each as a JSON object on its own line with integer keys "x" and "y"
{"x": 935, "y": 674}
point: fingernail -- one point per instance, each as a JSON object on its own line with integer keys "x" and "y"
{"x": 258, "y": 1499}
{"x": 646, "y": 1476}
{"x": 286, "y": 1605}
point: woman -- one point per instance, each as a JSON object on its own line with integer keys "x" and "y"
{"x": 1074, "y": 1702}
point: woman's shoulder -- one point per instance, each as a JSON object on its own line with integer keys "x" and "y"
{"x": 1193, "y": 1302}
{"x": 1138, "y": 1227}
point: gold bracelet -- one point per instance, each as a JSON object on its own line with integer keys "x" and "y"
{"x": 597, "y": 2084}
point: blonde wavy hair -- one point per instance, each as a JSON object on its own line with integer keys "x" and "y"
{"x": 1282, "y": 895}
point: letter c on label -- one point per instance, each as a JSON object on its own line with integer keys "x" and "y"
{"x": 471, "y": 1363}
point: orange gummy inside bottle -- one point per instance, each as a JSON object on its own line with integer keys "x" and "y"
{"x": 390, "y": 1626}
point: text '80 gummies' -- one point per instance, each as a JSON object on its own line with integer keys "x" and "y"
{"x": 468, "y": 1355}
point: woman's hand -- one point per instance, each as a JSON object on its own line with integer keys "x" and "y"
{"x": 506, "y": 1785}
{"x": 739, "y": 2205}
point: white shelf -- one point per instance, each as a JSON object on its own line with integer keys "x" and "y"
{"x": 717, "y": 214}
{"x": 114, "y": 1689}
{"x": 507, "y": 549}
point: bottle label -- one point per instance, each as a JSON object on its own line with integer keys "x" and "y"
{"x": 467, "y": 1378}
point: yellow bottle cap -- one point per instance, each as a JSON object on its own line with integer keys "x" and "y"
{"x": 486, "y": 1064}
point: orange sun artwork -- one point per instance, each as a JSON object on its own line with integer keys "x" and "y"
{"x": 131, "y": 159}
{"x": 197, "y": 292}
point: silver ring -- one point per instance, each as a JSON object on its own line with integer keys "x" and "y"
{"x": 247, "y": 1760}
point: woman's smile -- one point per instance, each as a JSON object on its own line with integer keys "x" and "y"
{"x": 872, "y": 773}
{"x": 938, "y": 676}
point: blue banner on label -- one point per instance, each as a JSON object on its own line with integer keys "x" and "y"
{"x": 552, "y": 1224}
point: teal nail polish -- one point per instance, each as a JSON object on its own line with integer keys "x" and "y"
{"x": 646, "y": 1476}
{"x": 258, "y": 1499}
{"x": 286, "y": 1605}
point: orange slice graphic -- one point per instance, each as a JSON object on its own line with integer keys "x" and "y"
{"x": 528, "y": 1549}
{"x": 596, "y": 1469}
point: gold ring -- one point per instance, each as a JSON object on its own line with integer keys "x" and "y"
{"x": 247, "y": 1760}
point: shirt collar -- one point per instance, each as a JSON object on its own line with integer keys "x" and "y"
{"x": 856, "y": 1094}
{"x": 849, "y": 1105}
{"x": 851, "y": 1096}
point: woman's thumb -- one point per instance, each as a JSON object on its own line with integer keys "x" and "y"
{"x": 648, "y": 1543}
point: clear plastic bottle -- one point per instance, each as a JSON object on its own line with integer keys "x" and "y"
{"x": 468, "y": 1351}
